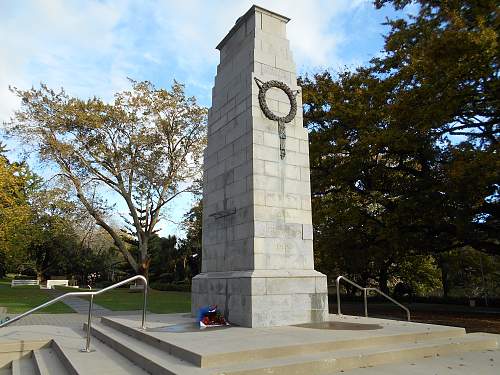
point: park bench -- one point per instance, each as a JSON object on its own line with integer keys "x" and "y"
{"x": 136, "y": 287}
{"x": 24, "y": 282}
{"x": 52, "y": 283}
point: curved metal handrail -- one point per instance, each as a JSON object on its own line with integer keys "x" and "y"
{"x": 337, "y": 281}
{"x": 365, "y": 298}
{"x": 408, "y": 315}
{"x": 91, "y": 294}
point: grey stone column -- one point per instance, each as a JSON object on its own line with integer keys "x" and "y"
{"x": 258, "y": 263}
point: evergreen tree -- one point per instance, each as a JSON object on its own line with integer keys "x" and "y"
{"x": 404, "y": 151}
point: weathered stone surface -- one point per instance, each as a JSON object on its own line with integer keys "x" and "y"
{"x": 258, "y": 262}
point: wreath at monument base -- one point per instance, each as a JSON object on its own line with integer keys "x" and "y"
{"x": 210, "y": 316}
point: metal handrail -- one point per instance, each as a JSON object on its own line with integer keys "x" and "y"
{"x": 365, "y": 298}
{"x": 91, "y": 294}
{"x": 353, "y": 284}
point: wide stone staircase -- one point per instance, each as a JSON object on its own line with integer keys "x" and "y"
{"x": 120, "y": 347}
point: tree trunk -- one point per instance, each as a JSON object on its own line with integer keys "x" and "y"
{"x": 144, "y": 268}
{"x": 383, "y": 278}
{"x": 145, "y": 260}
{"x": 445, "y": 282}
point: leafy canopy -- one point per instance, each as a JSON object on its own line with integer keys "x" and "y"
{"x": 144, "y": 148}
{"x": 404, "y": 151}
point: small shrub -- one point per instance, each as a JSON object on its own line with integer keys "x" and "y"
{"x": 24, "y": 277}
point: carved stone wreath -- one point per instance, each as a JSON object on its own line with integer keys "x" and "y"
{"x": 263, "y": 87}
{"x": 287, "y": 90}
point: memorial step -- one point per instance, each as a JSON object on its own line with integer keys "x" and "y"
{"x": 46, "y": 362}
{"x": 268, "y": 346}
{"x": 43, "y": 361}
{"x": 290, "y": 350}
{"x": 102, "y": 359}
{"x": 153, "y": 360}
{"x": 23, "y": 366}
{"x": 153, "y": 355}
{"x": 339, "y": 361}
{"x": 163, "y": 345}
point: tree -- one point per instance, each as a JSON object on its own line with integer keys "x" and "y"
{"x": 54, "y": 237}
{"x": 404, "y": 151}
{"x": 190, "y": 246}
{"x": 163, "y": 250}
{"x": 143, "y": 148}
{"x": 15, "y": 212}
{"x": 442, "y": 68}
{"x": 52, "y": 245}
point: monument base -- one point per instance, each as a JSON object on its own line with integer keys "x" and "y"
{"x": 263, "y": 298}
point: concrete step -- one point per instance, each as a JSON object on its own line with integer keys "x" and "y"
{"x": 151, "y": 359}
{"x": 11, "y": 350}
{"x": 46, "y": 362}
{"x": 23, "y": 366}
{"x": 101, "y": 360}
{"x": 144, "y": 336}
{"x": 341, "y": 360}
{"x": 63, "y": 358}
{"x": 232, "y": 350}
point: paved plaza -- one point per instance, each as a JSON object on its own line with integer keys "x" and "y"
{"x": 355, "y": 346}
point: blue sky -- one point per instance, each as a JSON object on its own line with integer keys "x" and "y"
{"x": 91, "y": 47}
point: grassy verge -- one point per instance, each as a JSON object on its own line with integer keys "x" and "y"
{"x": 5, "y": 281}
{"x": 160, "y": 302}
{"x": 23, "y": 298}
{"x": 123, "y": 299}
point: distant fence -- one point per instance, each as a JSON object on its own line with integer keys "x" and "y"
{"x": 24, "y": 282}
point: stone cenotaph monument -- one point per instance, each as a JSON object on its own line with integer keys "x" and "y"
{"x": 258, "y": 263}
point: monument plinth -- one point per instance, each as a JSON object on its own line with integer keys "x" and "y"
{"x": 258, "y": 263}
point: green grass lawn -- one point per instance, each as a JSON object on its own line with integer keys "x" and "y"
{"x": 160, "y": 302}
{"x": 22, "y": 298}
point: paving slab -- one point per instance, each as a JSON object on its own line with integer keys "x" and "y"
{"x": 486, "y": 362}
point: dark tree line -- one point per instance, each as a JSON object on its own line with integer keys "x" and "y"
{"x": 404, "y": 151}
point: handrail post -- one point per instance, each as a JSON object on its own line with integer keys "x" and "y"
{"x": 144, "y": 305}
{"x": 89, "y": 328}
{"x": 366, "y": 302}
{"x": 339, "y": 312}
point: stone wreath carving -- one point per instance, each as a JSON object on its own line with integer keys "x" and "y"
{"x": 263, "y": 87}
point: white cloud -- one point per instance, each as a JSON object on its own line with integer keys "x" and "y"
{"x": 193, "y": 28}
{"x": 315, "y": 31}
{"x": 56, "y": 42}
{"x": 91, "y": 47}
